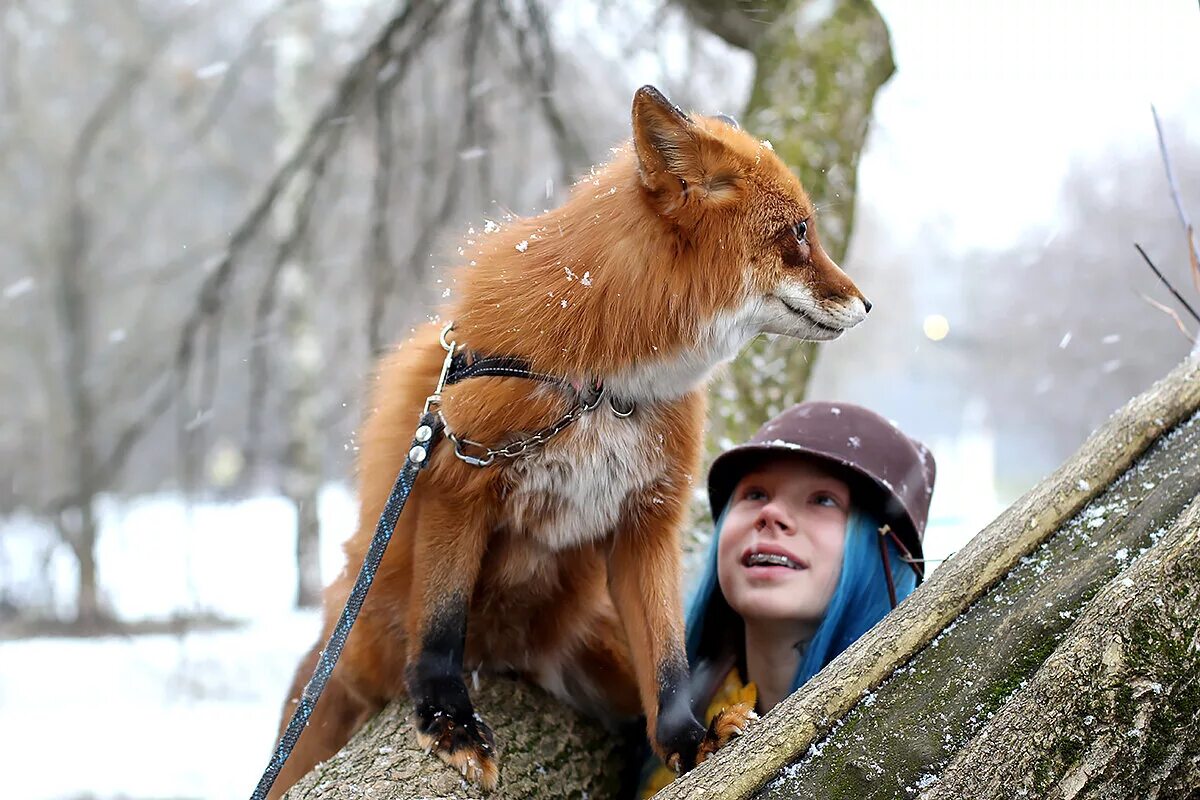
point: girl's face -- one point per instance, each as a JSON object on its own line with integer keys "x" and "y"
{"x": 780, "y": 552}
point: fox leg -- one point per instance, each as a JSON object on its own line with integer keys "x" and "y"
{"x": 338, "y": 714}
{"x": 448, "y": 551}
{"x": 643, "y": 575}
{"x": 597, "y": 676}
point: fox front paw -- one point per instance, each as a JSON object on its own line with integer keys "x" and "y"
{"x": 465, "y": 743}
{"x": 678, "y": 743}
{"x": 727, "y": 725}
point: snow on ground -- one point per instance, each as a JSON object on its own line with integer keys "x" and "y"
{"x": 159, "y": 555}
{"x": 164, "y": 716}
{"x": 192, "y": 716}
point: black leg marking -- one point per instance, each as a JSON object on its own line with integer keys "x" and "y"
{"x": 678, "y": 732}
{"x": 446, "y": 722}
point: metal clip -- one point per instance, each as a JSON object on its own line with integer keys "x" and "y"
{"x": 466, "y": 457}
{"x": 435, "y": 399}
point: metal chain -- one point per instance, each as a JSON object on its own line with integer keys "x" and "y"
{"x": 514, "y": 449}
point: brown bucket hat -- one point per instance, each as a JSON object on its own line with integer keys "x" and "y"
{"x": 894, "y": 472}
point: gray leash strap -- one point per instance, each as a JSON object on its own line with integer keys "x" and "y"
{"x": 429, "y": 431}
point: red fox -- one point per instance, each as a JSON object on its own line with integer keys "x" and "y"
{"x": 563, "y": 563}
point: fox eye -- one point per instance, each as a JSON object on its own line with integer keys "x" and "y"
{"x": 801, "y": 229}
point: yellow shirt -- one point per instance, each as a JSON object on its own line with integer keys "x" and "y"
{"x": 732, "y": 691}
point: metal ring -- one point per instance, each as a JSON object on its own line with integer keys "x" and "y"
{"x": 449, "y": 346}
{"x": 617, "y": 412}
{"x": 585, "y": 406}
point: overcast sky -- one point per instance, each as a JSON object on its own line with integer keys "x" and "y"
{"x": 993, "y": 101}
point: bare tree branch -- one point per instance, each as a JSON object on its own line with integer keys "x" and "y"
{"x": 1188, "y": 230}
{"x": 539, "y": 69}
{"x": 197, "y": 133}
{"x": 415, "y": 23}
{"x": 430, "y": 226}
{"x": 1173, "y": 314}
{"x": 1167, "y": 283}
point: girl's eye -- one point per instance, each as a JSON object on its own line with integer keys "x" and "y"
{"x": 754, "y": 494}
{"x": 828, "y": 500}
{"x": 801, "y": 230}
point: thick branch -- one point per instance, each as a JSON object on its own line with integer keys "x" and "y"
{"x": 742, "y": 23}
{"x": 546, "y": 750}
{"x": 1113, "y": 711}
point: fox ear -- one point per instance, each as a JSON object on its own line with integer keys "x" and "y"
{"x": 665, "y": 138}
{"x": 677, "y": 156}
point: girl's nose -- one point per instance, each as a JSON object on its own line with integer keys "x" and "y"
{"x": 774, "y": 518}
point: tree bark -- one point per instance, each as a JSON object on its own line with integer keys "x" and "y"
{"x": 546, "y": 750}
{"x": 1115, "y": 711}
{"x": 819, "y": 66}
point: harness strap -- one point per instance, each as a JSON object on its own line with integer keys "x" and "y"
{"x": 469, "y": 364}
{"x": 429, "y": 432}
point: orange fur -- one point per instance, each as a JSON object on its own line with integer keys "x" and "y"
{"x": 661, "y": 264}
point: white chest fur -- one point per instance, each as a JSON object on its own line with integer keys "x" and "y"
{"x": 573, "y": 490}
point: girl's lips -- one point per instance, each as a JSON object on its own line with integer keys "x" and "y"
{"x": 770, "y": 573}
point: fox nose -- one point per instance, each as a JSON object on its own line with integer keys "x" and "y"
{"x": 867, "y": 305}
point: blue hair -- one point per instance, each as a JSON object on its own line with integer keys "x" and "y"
{"x": 858, "y": 602}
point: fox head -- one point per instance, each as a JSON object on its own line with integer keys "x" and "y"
{"x": 712, "y": 179}
{"x": 695, "y": 238}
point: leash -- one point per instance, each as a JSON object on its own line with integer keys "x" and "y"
{"x": 429, "y": 431}
{"x": 458, "y": 365}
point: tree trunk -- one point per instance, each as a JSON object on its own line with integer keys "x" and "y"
{"x": 1057, "y": 656}
{"x": 78, "y": 519}
{"x": 819, "y": 66}
{"x": 302, "y": 467}
{"x": 77, "y": 527}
